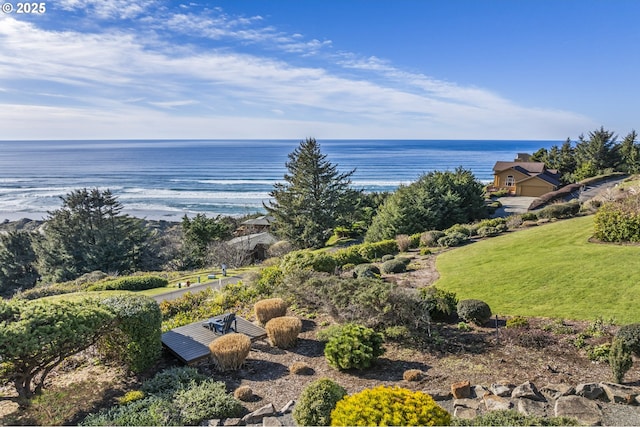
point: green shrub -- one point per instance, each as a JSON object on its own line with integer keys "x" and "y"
{"x": 136, "y": 338}
{"x": 318, "y": 261}
{"x": 599, "y": 353}
{"x": 430, "y": 238}
{"x": 372, "y": 251}
{"x": 459, "y": 228}
{"x": 131, "y": 283}
{"x": 404, "y": 260}
{"x": 150, "y": 411}
{"x": 349, "y": 255}
{"x": 452, "y": 239}
{"x": 619, "y": 221}
{"x": 473, "y": 310}
{"x": 397, "y": 333}
{"x": 619, "y": 360}
{"x": 268, "y": 279}
{"x": 560, "y": 210}
{"x": 529, "y": 216}
{"x": 316, "y": 402}
{"x": 393, "y": 266}
{"x": 172, "y": 379}
{"x": 366, "y": 270}
{"x": 414, "y": 240}
{"x": 393, "y": 406}
{"x": 440, "y": 304}
{"x": 517, "y": 322}
{"x": 131, "y": 396}
{"x": 488, "y": 231}
{"x": 514, "y": 418}
{"x": 354, "y": 346}
{"x": 630, "y": 336}
{"x": 205, "y": 400}
{"x": 425, "y": 251}
{"x": 387, "y": 258}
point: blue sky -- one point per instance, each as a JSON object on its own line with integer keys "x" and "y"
{"x": 330, "y": 69}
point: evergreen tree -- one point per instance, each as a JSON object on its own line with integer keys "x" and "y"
{"x": 89, "y": 233}
{"x": 597, "y": 153}
{"x": 314, "y": 198}
{"x": 17, "y": 262}
{"x": 630, "y": 153}
{"x": 199, "y": 233}
{"x": 437, "y": 201}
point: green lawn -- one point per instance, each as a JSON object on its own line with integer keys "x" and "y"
{"x": 547, "y": 271}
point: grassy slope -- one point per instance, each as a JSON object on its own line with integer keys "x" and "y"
{"x": 548, "y": 271}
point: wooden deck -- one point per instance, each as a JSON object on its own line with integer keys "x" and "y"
{"x": 190, "y": 343}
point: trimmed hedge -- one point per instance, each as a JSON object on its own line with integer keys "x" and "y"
{"x": 130, "y": 283}
{"x": 473, "y": 310}
{"x": 136, "y": 338}
{"x": 366, "y": 270}
{"x": 393, "y": 266}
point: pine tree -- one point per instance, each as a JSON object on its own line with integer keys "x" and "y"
{"x": 313, "y": 199}
{"x": 17, "y": 262}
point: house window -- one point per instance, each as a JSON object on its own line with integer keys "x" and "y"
{"x": 510, "y": 181}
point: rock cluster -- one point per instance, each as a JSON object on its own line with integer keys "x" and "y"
{"x": 560, "y": 400}
{"x": 266, "y": 416}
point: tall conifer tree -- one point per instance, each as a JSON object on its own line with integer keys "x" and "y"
{"x": 313, "y": 199}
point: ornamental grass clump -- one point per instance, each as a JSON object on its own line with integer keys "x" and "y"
{"x": 230, "y": 351}
{"x": 353, "y": 346}
{"x": 317, "y": 401}
{"x": 283, "y": 331}
{"x": 268, "y": 309}
{"x": 389, "y": 406}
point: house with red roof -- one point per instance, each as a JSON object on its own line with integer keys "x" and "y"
{"x": 523, "y": 177}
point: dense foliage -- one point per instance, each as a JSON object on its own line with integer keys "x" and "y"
{"x": 389, "y": 406}
{"x": 473, "y": 310}
{"x": 89, "y": 233}
{"x": 175, "y": 397}
{"x": 353, "y": 346}
{"x": 440, "y": 304}
{"x": 316, "y": 402}
{"x": 619, "y": 221}
{"x": 136, "y": 337}
{"x": 36, "y": 336}
{"x": 198, "y": 233}
{"x": 436, "y": 200}
{"x": 131, "y": 283}
{"x": 17, "y": 262}
{"x": 313, "y": 199}
{"x": 630, "y": 336}
{"x": 514, "y": 418}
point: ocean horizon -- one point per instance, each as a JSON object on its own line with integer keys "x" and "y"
{"x": 167, "y": 179}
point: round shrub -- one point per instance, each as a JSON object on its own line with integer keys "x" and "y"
{"x": 206, "y": 400}
{"x": 243, "y": 393}
{"x": 630, "y": 336}
{"x": 529, "y": 216}
{"x": 392, "y": 406}
{"x": 316, "y": 402}
{"x": 452, "y": 239}
{"x": 366, "y": 270}
{"x": 473, "y": 310}
{"x": 268, "y": 309}
{"x": 413, "y": 375}
{"x": 619, "y": 221}
{"x": 301, "y": 368}
{"x": 393, "y": 266}
{"x": 230, "y": 351}
{"x": 487, "y": 231}
{"x": 283, "y": 331}
{"x": 353, "y": 346}
{"x": 458, "y": 228}
{"x": 387, "y": 258}
{"x": 440, "y": 304}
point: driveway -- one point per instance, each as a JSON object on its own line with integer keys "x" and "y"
{"x": 197, "y": 287}
{"x": 513, "y": 205}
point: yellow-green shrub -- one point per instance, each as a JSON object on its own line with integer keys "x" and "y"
{"x": 131, "y": 396}
{"x": 268, "y": 309}
{"x": 283, "y": 331}
{"x": 389, "y": 406}
{"x": 229, "y": 351}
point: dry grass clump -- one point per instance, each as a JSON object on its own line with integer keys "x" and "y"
{"x": 413, "y": 375}
{"x": 229, "y": 351}
{"x": 283, "y": 331}
{"x": 268, "y": 309}
{"x": 243, "y": 393}
{"x": 301, "y": 368}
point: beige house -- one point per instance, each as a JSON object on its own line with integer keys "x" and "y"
{"x": 524, "y": 178}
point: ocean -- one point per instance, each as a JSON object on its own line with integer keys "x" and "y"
{"x": 167, "y": 179}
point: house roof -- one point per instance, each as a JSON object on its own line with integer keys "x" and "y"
{"x": 531, "y": 170}
{"x": 250, "y": 241}
{"x": 261, "y": 220}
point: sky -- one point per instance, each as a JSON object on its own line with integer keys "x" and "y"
{"x": 328, "y": 69}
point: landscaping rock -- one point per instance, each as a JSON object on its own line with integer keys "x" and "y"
{"x": 257, "y": 415}
{"x": 439, "y": 395}
{"x": 529, "y": 407}
{"x": 589, "y": 390}
{"x": 212, "y": 423}
{"x": 477, "y": 391}
{"x": 500, "y": 389}
{"x": 466, "y": 403}
{"x": 554, "y": 391}
{"x": 288, "y": 407}
{"x": 271, "y": 422}
{"x": 586, "y": 411}
{"x": 496, "y": 403}
{"x": 465, "y": 413}
{"x": 526, "y": 391}
{"x": 619, "y": 393}
{"x": 234, "y": 422}
{"x": 461, "y": 390}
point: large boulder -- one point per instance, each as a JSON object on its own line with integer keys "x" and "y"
{"x": 586, "y": 411}
{"x": 618, "y": 393}
{"x": 527, "y": 390}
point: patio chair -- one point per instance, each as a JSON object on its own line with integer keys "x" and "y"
{"x": 223, "y": 325}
